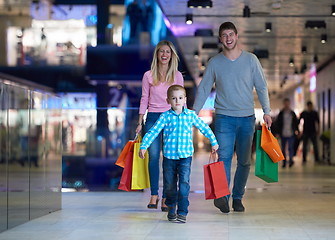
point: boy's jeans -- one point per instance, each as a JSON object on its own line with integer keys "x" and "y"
{"x": 154, "y": 154}
{"x": 177, "y": 171}
{"x": 236, "y": 132}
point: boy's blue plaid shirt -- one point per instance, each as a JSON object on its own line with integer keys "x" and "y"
{"x": 178, "y": 133}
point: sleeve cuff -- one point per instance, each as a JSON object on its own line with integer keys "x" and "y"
{"x": 215, "y": 142}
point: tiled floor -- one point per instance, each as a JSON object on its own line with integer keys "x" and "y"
{"x": 300, "y": 207}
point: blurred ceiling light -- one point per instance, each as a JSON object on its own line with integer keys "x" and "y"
{"x": 291, "y": 62}
{"x": 199, "y": 3}
{"x": 304, "y": 49}
{"x": 268, "y": 27}
{"x": 323, "y": 38}
{"x": 246, "y": 11}
{"x": 189, "y": 19}
{"x": 333, "y": 10}
{"x": 203, "y": 66}
{"x": 196, "y": 54}
{"x": 315, "y": 24}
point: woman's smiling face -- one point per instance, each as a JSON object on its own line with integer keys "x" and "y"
{"x": 164, "y": 54}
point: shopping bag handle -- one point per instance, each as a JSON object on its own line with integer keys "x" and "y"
{"x": 269, "y": 128}
{"x": 138, "y": 138}
{"x": 213, "y": 156}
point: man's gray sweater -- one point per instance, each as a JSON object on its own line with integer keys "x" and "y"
{"x": 235, "y": 82}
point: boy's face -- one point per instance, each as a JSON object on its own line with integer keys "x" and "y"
{"x": 177, "y": 100}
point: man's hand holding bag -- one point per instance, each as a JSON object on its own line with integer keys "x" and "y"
{"x": 270, "y": 145}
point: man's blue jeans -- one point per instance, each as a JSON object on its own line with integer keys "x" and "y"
{"x": 154, "y": 154}
{"x": 177, "y": 172}
{"x": 289, "y": 141}
{"x": 235, "y": 133}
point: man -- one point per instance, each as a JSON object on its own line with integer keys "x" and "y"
{"x": 310, "y": 131}
{"x": 235, "y": 73}
{"x": 287, "y": 123}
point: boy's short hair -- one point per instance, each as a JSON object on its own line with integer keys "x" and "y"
{"x": 175, "y": 88}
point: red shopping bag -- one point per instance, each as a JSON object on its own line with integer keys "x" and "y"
{"x": 270, "y": 145}
{"x": 125, "y": 182}
{"x": 215, "y": 179}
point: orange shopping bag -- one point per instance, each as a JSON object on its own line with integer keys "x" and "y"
{"x": 121, "y": 161}
{"x": 125, "y": 181}
{"x": 270, "y": 145}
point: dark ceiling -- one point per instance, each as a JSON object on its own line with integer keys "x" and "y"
{"x": 297, "y": 27}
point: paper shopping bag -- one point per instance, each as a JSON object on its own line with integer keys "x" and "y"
{"x": 215, "y": 180}
{"x": 122, "y": 158}
{"x": 270, "y": 145}
{"x": 140, "y": 173}
{"x": 125, "y": 181}
{"x": 265, "y": 168}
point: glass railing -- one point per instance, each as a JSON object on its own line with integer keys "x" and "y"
{"x": 90, "y": 152}
{"x": 31, "y": 151}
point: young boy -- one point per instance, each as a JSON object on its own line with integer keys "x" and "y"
{"x": 178, "y": 149}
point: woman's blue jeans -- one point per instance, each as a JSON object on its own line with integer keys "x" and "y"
{"x": 235, "y": 133}
{"x": 154, "y": 154}
{"x": 177, "y": 173}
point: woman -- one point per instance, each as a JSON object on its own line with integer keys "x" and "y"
{"x": 163, "y": 73}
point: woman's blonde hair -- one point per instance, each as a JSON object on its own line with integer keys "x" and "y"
{"x": 173, "y": 64}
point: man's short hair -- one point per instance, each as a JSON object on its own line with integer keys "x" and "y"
{"x": 175, "y": 87}
{"x": 226, "y": 26}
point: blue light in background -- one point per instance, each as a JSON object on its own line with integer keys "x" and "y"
{"x": 210, "y": 101}
{"x": 159, "y": 27}
{"x": 299, "y": 90}
{"x": 126, "y": 24}
{"x": 91, "y": 20}
{"x": 158, "y": 31}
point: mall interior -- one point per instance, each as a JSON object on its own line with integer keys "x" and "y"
{"x": 71, "y": 81}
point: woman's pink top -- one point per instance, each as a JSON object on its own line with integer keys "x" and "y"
{"x": 154, "y": 97}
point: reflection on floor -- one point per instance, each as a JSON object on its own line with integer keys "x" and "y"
{"x": 301, "y": 206}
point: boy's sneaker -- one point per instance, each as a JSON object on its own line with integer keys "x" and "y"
{"x": 222, "y": 204}
{"x": 181, "y": 218}
{"x": 172, "y": 217}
